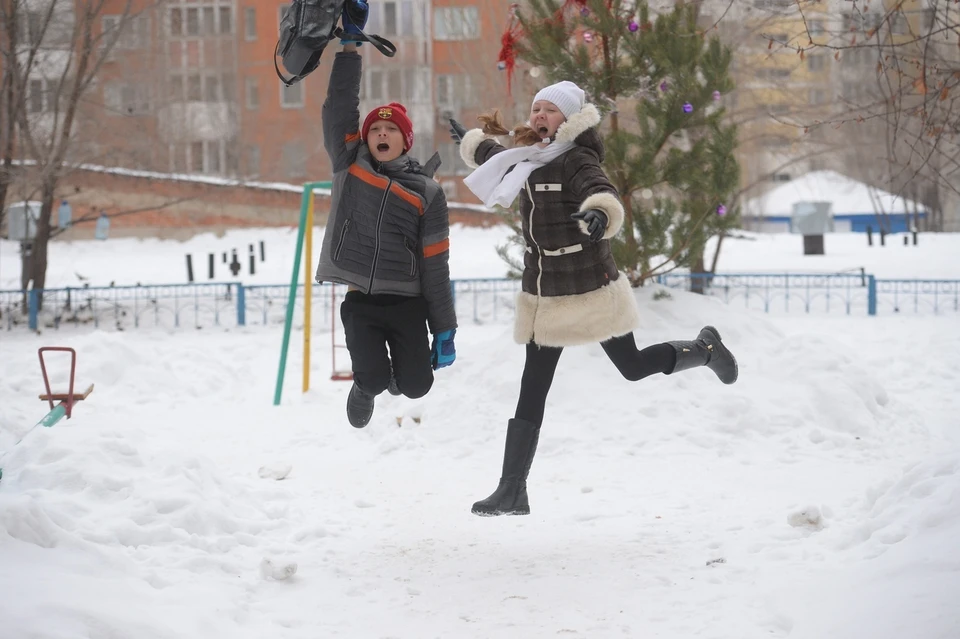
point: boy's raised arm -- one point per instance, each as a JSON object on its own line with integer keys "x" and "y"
{"x": 341, "y": 109}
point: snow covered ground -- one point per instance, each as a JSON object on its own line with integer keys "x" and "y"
{"x": 127, "y": 261}
{"x": 817, "y": 498}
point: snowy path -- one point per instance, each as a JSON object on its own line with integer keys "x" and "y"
{"x": 660, "y": 509}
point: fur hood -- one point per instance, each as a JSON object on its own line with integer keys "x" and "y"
{"x": 581, "y": 128}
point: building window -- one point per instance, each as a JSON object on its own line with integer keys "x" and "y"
{"x": 389, "y": 26}
{"x": 35, "y": 97}
{"x": 225, "y": 26}
{"x": 293, "y": 160}
{"x": 456, "y": 23}
{"x": 898, "y": 23}
{"x": 134, "y": 34}
{"x": 176, "y": 21}
{"x": 394, "y": 84}
{"x": 282, "y": 10}
{"x": 250, "y": 23}
{"x": 407, "y": 27}
{"x": 193, "y": 22}
{"x": 126, "y": 99}
{"x": 209, "y": 24}
{"x": 815, "y": 27}
{"x": 253, "y": 93}
{"x": 211, "y": 91}
{"x": 454, "y": 89}
{"x": 253, "y": 160}
{"x": 450, "y": 161}
{"x": 196, "y": 157}
{"x": 194, "y": 88}
{"x": 818, "y": 96}
{"x": 212, "y": 159}
{"x": 816, "y": 62}
{"x": 376, "y": 85}
{"x": 176, "y": 88}
{"x": 449, "y": 189}
{"x": 291, "y": 97}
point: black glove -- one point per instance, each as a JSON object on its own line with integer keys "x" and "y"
{"x": 456, "y": 131}
{"x": 596, "y": 222}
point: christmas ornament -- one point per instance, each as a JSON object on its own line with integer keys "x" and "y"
{"x": 664, "y": 86}
{"x": 646, "y": 194}
{"x": 507, "y": 58}
{"x": 534, "y": 72}
{"x": 721, "y": 210}
{"x": 587, "y": 37}
{"x": 633, "y": 26}
{"x": 716, "y": 96}
{"x": 687, "y": 107}
{"x": 584, "y": 12}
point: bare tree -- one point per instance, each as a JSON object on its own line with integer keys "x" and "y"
{"x": 898, "y": 74}
{"x": 55, "y": 52}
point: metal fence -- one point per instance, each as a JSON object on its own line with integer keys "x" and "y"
{"x": 230, "y": 304}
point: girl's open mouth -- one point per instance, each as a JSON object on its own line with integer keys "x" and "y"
{"x": 542, "y": 131}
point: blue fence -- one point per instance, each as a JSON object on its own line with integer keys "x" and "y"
{"x": 229, "y": 304}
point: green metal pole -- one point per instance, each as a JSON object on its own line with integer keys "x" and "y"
{"x": 288, "y": 323}
{"x": 59, "y": 412}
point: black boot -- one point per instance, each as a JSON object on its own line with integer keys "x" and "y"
{"x": 510, "y": 497}
{"x": 359, "y": 407}
{"x": 392, "y": 387}
{"x": 707, "y": 350}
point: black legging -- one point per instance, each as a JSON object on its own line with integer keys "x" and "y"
{"x": 541, "y": 365}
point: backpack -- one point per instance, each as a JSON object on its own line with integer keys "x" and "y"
{"x": 306, "y": 28}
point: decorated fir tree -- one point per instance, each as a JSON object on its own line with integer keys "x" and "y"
{"x": 660, "y": 81}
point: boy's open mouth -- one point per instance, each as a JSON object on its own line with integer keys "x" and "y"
{"x": 383, "y": 147}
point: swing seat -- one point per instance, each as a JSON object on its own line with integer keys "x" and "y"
{"x": 66, "y": 397}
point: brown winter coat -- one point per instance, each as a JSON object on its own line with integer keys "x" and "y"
{"x": 572, "y": 292}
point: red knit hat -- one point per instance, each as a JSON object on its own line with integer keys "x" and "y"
{"x": 393, "y": 112}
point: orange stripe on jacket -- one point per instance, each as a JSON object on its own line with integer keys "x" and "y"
{"x": 410, "y": 198}
{"x": 368, "y": 177}
{"x": 381, "y": 183}
{"x": 437, "y": 248}
{"x": 351, "y": 137}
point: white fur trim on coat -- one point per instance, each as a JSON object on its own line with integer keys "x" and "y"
{"x": 609, "y": 204}
{"x": 571, "y": 320}
{"x": 469, "y": 144}
{"x": 587, "y": 118}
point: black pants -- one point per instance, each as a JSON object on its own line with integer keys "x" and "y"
{"x": 374, "y": 322}
{"x": 541, "y": 365}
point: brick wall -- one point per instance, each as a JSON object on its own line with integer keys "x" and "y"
{"x": 165, "y": 206}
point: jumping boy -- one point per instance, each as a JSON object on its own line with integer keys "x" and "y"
{"x": 387, "y": 238}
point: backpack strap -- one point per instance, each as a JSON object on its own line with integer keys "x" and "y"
{"x": 383, "y": 45}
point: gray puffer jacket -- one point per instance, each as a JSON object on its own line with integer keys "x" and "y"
{"x": 388, "y": 229}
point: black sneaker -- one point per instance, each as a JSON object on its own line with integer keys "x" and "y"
{"x": 359, "y": 407}
{"x": 392, "y": 387}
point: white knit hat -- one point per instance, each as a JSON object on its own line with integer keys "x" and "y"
{"x": 568, "y": 97}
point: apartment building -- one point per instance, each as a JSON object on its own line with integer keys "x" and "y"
{"x": 191, "y": 86}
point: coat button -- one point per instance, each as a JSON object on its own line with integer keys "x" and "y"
{"x": 562, "y": 251}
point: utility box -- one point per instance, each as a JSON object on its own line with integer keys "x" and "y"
{"x": 812, "y": 220}
{"x": 22, "y": 220}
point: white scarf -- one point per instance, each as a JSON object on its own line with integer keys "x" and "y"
{"x": 491, "y": 182}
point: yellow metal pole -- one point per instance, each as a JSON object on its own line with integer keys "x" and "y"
{"x": 307, "y": 290}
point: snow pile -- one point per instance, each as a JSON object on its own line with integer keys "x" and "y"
{"x": 817, "y": 497}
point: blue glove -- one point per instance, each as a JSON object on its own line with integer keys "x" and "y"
{"x": 354, "y": 18}
{"x": 444, "y": 352}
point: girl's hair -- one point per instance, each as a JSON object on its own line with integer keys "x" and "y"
{"x": 492, "y": 124}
